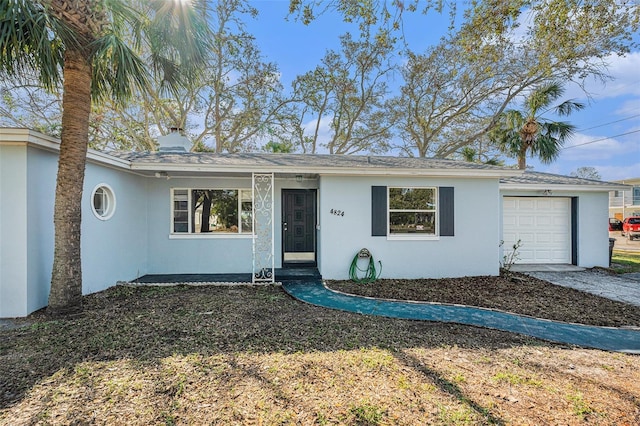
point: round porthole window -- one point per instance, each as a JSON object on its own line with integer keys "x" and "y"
{"x": 103, "y": 201}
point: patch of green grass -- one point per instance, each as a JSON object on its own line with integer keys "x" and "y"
{"x": 625, "y": 262}
{"x": 581, "y": 408}
{"x": 376, "y": 360}
{"x": 516, "y": 379}
{"x": 272, "y": 297}
{"x": 403, "y": 382}
{"x": 367, "y": 414}
{"x": 322, "y": 419}
{"x": 457, "y": 416}
{"x": 44, "y": 325}
{"x": 459, "y": 378}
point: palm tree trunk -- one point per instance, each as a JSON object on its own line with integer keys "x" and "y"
{"x": 66, "y": 278}
{"x": 522, "y": 157}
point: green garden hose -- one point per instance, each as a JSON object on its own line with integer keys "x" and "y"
{"x": 370, "y": 274}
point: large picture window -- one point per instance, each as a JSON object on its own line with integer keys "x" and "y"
{"x": 412, "y": 211}
{"x": 206, "y": 211}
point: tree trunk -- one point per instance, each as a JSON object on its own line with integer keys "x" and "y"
{"x": 66, "y": 278}
{"x": 206, "y": 211}
{"x": 522, "y": 160}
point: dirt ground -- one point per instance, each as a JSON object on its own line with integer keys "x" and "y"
{"x": 246, "y": 355}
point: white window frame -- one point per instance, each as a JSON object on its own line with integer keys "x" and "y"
{"x": 108, "y": 200}
{"x": 212, "y": 235}
{"x": 417, "y": 236}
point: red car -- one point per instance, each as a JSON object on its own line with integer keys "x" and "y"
{"x": 615, "y": 224}
{"x": 631, "y": 227}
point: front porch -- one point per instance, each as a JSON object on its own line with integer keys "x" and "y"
{"x": 282, "y": 275}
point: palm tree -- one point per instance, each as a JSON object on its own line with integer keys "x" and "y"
{"x": 92, "y": 48}
{"x": 519, "y": 133}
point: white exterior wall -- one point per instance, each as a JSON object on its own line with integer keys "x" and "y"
{"x": 472, "y": 251}
{"x": 13, "y": 231}
{"x": 593, "y": 234}
{"x": 192, "y": 254}
{"x": 27, "y": 191}
{"x": 41, "y": 184}
{"x": 592, "y": 219}
{"x": 114, "y": 249}
{"x": 211, "y": 253}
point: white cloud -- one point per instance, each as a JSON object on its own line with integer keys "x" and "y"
{"x": 610, "y": 173}
{"x": 583, "y": 147}
{"x": 624, "y": 70}
{"x": 630, "y": 108}
{"x": 324, "y": 131}
{"x": 625, "y": 79}
{"x": 614, "y": 158}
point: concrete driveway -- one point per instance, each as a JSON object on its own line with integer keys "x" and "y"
{"x": 622, "y": 287}
{"x": 619, "y": 287}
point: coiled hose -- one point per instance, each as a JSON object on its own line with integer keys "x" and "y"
{"x": 370, "y": 273}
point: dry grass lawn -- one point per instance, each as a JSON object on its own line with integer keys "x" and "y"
{"x": 255, "y": 356}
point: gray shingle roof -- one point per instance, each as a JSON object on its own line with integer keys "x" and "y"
{"x": 530, "y": 178}
{"x": 314, "y": 163}
{"x": 297, "y": 161}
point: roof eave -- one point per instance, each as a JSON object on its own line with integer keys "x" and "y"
{"x": 605, "y": 186}
{"x": 102, "y": 158}
{"x": 21, "y": 136}
{"x": 323, "y": 171}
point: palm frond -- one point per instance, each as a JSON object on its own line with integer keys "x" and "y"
{"x": 568, "y": 107}
{"x": 547, "y": 148}
{"x": 468, "y": 154}
{"x": 513, "y": 119}
{"x": 173, "y": 34}
{"x": 559, "y": 130}
{"x": 543, "y": 96}
{"x": 117, "y": 70}
{"x": 28, "y": 42}
{"x": 179, "y": 38}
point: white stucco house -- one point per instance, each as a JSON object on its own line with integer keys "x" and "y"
{"x": 174, "y": 212}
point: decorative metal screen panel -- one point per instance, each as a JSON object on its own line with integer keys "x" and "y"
{"x": 263, "y": 233}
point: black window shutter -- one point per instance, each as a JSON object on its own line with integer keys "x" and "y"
{"x": 445, "y": 207}
{"x": 378, "y": 211}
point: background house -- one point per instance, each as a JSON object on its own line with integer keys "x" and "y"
{"x": 625, "y": 202}
{"x": 175, "y": 212}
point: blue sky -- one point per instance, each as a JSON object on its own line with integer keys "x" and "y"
{"x": 608, "y": 129}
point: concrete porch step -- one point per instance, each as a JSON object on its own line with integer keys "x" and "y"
{"x": 281, "y": 275}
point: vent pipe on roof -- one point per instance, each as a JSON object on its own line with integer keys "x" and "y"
{"x": 174, "y": 141}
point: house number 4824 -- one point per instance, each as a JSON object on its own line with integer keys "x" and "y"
{"x": 337, "y": 212}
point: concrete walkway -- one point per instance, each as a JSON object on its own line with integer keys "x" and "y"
{"x": 605, "y": 338}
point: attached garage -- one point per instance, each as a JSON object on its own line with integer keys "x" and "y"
{"x": 543, "y": 227}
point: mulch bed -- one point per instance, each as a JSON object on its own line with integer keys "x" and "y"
{"x": 516, "y": 293}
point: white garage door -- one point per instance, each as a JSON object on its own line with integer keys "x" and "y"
{"x": 541, "y": 224}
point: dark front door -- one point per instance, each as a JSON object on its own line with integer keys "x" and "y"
{"x": 299, "y": 226}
